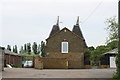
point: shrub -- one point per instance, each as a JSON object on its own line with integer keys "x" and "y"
{"x": 116, "y": 76}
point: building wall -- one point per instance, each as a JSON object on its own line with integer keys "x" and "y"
{"x": 75, "y": 60}
{"x": 76, "y": 43}
{"x": 38, "y": 64}
{"x": 1, "y": 58}
{"x": 13, "y": 60}
{"x": 75, "y": 56}
{"x": 50, "y": 63}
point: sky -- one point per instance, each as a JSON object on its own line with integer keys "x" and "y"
{"x": 23, "y": 21}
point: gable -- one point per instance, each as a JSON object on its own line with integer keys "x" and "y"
{"x": 64, "y": 30}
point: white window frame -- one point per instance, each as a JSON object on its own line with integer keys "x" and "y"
{"x": 63, "y": 45}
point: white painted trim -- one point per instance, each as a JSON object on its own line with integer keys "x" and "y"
{"x": 112, "y": 62}
{"x": 64, "y": 45}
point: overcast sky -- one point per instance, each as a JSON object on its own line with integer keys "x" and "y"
{"x": 23, "y": 21}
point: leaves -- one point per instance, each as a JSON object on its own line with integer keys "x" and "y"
{"x": 8, "y": 47}
{"x": 15, "y": 49}
{"x": 112, "y": 28}
{"x": 96, "y": 54}
{"x": 28, "y": 48}
{"x": 34, "y": 48}
{"x": 43, "y": 49}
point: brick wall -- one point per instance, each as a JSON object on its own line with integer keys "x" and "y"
{"x": 13, "y": 59}
{"x": 75, "y": 60}
{"x": 76, "y": 44}
{"x": 51, "y": 63}
{"x": 76, "y": 48}
{"x": 59, "y": 63}
{"x": 38, "y": 64}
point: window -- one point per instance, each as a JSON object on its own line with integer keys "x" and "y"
{"x": 64, "y": 47}
{"x": 64, "y": 30}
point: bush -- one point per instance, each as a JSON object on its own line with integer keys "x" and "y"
{"x": 116, "y": 76}
{"x": 16, "y": 65}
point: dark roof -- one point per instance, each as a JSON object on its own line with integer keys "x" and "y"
{"x": 62, "y": 30}
{"x": 114, "y": 51}
{"x": 11, "y": 53}
{"x": 77, "y": 30}
{"x": 85, "y": 45}
{"x": 55, "y": 28}
{"x": 2, "y": 48}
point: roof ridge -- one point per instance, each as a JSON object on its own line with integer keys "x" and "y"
{"x": 68, "y": 30}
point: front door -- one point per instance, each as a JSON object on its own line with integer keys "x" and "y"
{"x": 112, "y": 62}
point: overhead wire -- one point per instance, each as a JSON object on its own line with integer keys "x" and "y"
{"x": 93, "y": 11}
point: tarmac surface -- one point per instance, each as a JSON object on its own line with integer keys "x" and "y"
{"x": 57, "y": 73}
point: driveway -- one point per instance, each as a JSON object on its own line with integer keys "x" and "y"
{"x": 57, "y": 73}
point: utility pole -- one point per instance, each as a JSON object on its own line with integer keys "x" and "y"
{"x": 118, "y": 56}
{"x": 119, "y": 19}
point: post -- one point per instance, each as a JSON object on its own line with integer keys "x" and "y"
{"x": 119, "y": 20}
{"x": 118, "y": 56}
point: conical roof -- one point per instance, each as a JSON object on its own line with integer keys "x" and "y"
{"x": 84, "y": 43}
{"x": 77, "y": 30}
{"x": 55, "y": 28}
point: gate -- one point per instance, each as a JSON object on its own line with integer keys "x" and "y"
{"x": 28, "y": 61}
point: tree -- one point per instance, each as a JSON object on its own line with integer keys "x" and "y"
{"x": 28, "y": 48}
{"x": 43, "y": 49}
{"x": 87, "y": 55}
{"x": 15, "y": 50}
{"x": 21, "y": 50}
{"x": 8, "y": 47}
{"x": 91, "y": 48}
{"x": 102, "y": 49}
{"x": 25, "y": 48}
{"x": 112, "y": 45}
{"x": 112, "y": 28}
{"x": 34, "y": 48}
{"x": 97, "y": 54}
{"x": 113, "y": 36}
{"x": 95, "y": 58}
{"x": 39, "y": 49}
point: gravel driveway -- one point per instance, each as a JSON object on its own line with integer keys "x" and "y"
{"x": 57, "y": 73}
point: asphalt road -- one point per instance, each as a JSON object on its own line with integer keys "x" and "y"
{"x": 57, "y": 73}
